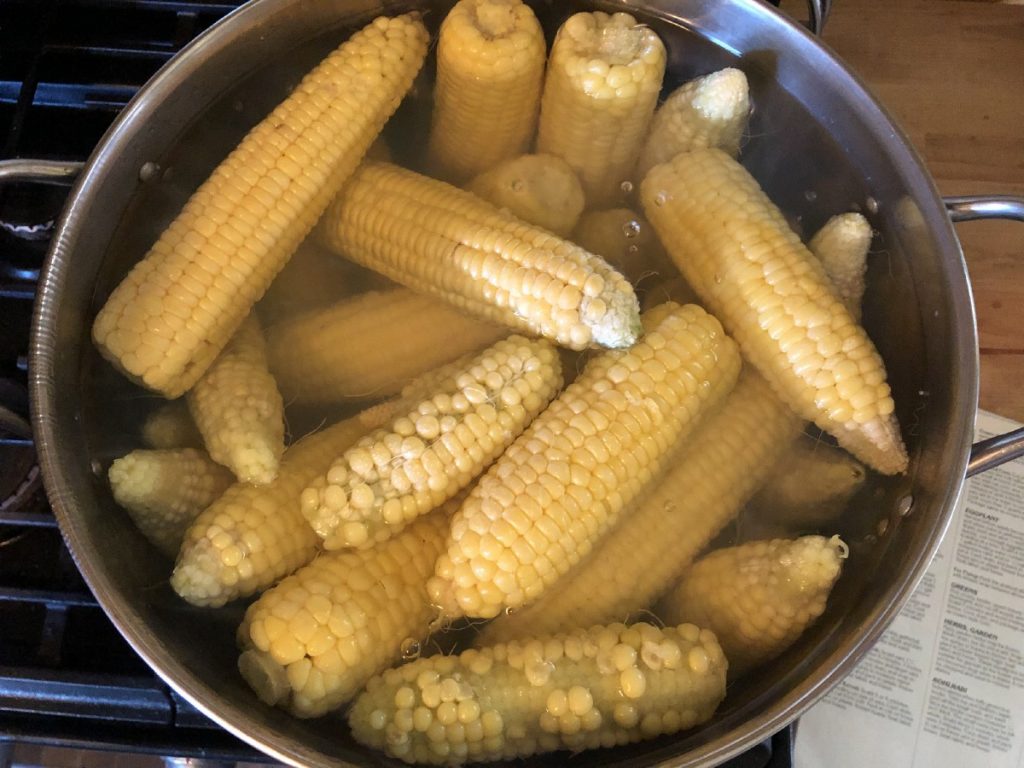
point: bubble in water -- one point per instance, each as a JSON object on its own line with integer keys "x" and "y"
{"x": 718, "y": 279}
{"x": 871, "y": 204}
{"x": 660, "y": 199}
{"x": 905, "y": 505}
{"x": 411, "y": 649}
{"x": 518, "y": 185}
{"x": 97, "y": 467}
{"x": 810, "y": 195}
{"x": 633, "y": 249}
{"x": 509, "y": 610}
{"x": 626, "y": 187}
{"x": 149, "y": 171}
{"x": 882, "y": 528}
{"x": 631, "y": 229}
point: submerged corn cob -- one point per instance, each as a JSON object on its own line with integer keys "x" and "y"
{"x": 710, "y": 111}
{"x": 758, "y": 597}
{"x": 490, "y": 67}
{"x": 370, "y": 345}
{"x": 238, "y": 410}
{"x": 563, "y": 483}
{"x": 433, "y": 448}
{"x": 625, "y": 240}
{"x": 311, "y": 642}
{"x": 842, "y": 247}
{"x": 539, "y": 189}
{"x": 164, "y": 491}
{"x": 709, "y": 479}
{"x": 737, "y": 251}
{"x": 170, "y": 317}
{"x": 447, "y": 242}
{"x": 599, "y": 687}
{"x": 253, "y": 535}
{"x": 313, "y": 277}
{"x": 171, "y": 426}
{"x": 603, "y": 79}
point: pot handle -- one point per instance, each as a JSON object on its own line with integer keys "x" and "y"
{"x": 38, "y": 170}
{"x": 1000, "y": 449}
{"x": 819, "y": 15}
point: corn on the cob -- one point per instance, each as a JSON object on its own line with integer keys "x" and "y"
{"x": 445, "y": 241}
{"x": 737, "y": 251}
{"x": 624, "y": 239}
{"x": 171, "y": 426}
{"x": 539, "y": 189}
{"x": 710, "y": 111}
{"x": 490, "y": 67}
{"x": 758, "y": 597}
{"x": 709, "y": 479}
{"x": 173, "y": 313}
{"x": 563, "y": 483}
{"x": 602, "y": 83}
{"x": 238, "y": 410}
{"x": 310, "y": 643}
{"x": 434, "y": 448}
{"x": 314, "y": 277}
{"x": 370, "y": 345}
{"x": 254, "y": 535}
{"x": 598, "y": 687}
{"x": 842, "y": 247}
{"x": 164, "y": 491}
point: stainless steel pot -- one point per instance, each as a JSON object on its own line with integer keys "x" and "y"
{"x": 822, "y": 145}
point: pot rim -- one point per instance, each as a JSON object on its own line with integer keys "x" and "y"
{"x": 43, "y": 354}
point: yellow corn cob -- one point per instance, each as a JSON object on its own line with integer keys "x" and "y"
{"x": 601, "y": 87}
{"x": 164, "y": 491}
{"x": 710, "y": 111}
{"x": 254, "y": 535}
{"x": 311, "y": 642}
{"x": 173, "y": 313}
{"x": 539, "y": 189}
{"x": 447, "y": 242}
{"x": 598, "y": 687}
{"x": 562, "y": 484}
{"x": 842, "y": 247}
{"x": 625, "y": 240}
{"x": 314, "y": 277}
{"x": 708, "y": 480}
{"x": 737, "y": 251}
{"x": 433, "y": 448}
{"x": 370, "y": 345}
{"x": 490, "y": 67}
{"x": 238, "y": 410}
{"x": 758, "y": 597}
{"x": 170, "y": 426}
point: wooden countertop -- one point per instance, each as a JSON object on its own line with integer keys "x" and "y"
{"x": 952, "y": 74}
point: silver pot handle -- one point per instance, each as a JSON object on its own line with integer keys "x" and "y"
{"x": 38, "y": 170}
{"x": 819, "y": 15}
{"x": 1000, "y": 449}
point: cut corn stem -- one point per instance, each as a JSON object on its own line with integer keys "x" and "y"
{"x": 164, "y": 491}
{"x": 708, "y": 480}
{"x": 170, "y": 426}
{"x": 239, "y": 411}
{"x": 603, "y": 79}
{"x": 371, "y": 345}
{"x": 490, "y": 68}
{"x": 434, "y": 448}
{"x": 842, "y": 247}
{"x": 737, "y": 251}
{"x": 584, "y": 689}
{"x": 711, "y": 111}
{"x": 551, "y": 496}
{"x": 759, "y": 597}
{"x": 310, "y": 643}
{"x": 170, "y": 317}
{"x": 437, "y": 239}
{"x": 254, "y": 535}
{"x": 540, "y": 189}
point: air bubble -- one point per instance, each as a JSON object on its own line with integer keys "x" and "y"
{"x": 810, "y": 195}
{"x": 905, "y": 505}
{"x": 626, "y": 187}
{"x": 882, "y": 528}
{"x": 660, "y": 199}
{"x": 871, "y": 204}
{"x": 632, "y": 250}
{"x": 631, "y": 229}
{"x": 411, "y": 649}
{"x": 97, "y": 467}
{"x": 518, "y": 185}
{"x": 149, "y": 171}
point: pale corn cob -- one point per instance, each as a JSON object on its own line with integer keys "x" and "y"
{"x": 603, "y": 79}
{"x": 164, "y": 491}
{"x": 842, "y": 247}
{"x": 711, "y": 111}
{"x": 709, "y": 478}
{"x": 238, "y": 410}
{"x": 370, "y": 345}
{"x": 624, "y": 239}
{"x": 314, "y": 277}
{"x": 254, "y": 535}
{"x": 759, "y": 597}
{"x": 310, "y": 643}
{"x": 171, "y": 426}
{"x": 810, "y": 484}
{"x": 490, "y": 68}
{"x": 433, "y": 448}
{"x": 173, "y": 313}
{"x": 599, "y": 687}
{"x": 549, "y": 498}
{"x": 447, "y": 242}
{"x": 739, "y": 254}
{"x": 540, "y": 189}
